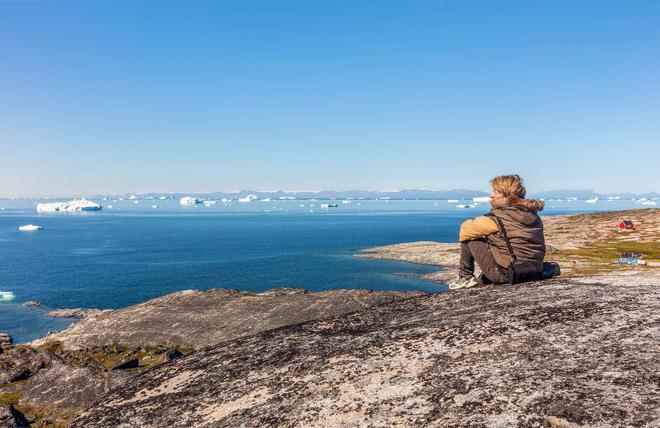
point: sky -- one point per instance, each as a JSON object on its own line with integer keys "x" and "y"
{"x": 117, "y": 97}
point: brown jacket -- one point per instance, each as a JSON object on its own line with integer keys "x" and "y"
{"x": 525, "y": 230}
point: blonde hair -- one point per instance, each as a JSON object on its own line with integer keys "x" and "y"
{"x": 513, "y": 192}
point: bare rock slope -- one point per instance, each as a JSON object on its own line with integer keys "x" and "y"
{"x": 64, "y": 373}
{"x": 565, "y": 353}
{"x": 195, "y": 319}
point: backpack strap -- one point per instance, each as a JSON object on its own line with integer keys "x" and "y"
{"x": 504, "y": 234}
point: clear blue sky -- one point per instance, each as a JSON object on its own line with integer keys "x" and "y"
{"x": 131, "y": 97}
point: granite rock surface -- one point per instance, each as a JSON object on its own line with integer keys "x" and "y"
{"x": 568, "y": 352}
{"x": 195, "y": 319}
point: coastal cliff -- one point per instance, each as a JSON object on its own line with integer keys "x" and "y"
{"x": 579, "y": 350}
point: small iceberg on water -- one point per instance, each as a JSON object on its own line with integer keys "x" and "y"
{"x": 29, "y": 228}
{"x": 187, "y": 200}
{"x": 76, "y": 205}
{"x": 6, "y": 296}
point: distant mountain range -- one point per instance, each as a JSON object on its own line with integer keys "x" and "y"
{"x": 399, "y": 194}
{"x": 587, "y": 194}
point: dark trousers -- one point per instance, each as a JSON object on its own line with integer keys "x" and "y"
{"x": 477, "y": 250}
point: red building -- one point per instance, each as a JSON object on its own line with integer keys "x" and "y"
{"x": 626, "y": 225}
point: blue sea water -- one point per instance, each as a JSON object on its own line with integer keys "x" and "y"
{"x": 132, "y": 252}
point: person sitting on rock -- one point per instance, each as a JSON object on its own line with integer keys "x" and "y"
{"x": 483, "y": 241}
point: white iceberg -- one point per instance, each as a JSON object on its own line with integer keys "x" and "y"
{"x": 76, "y": 205}
{"x": 481, "y": 199}
{"x": 29, "y": 228}
{"x": 248, "y": 198}
{"x": 592, "y": 200}
{"x": 187, "y": 200}
{"x": 6, "y": 296}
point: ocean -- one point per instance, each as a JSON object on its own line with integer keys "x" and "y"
{"x": 133, "y": 252}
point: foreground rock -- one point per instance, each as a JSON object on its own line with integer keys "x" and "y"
{"x": 77, "y": 313}
{"x": 21, "y": 363}
{"x": 5, "y": 342}
{"x": 48, "y": 389}
{"x": 195, "y": 319}
{"x": 11, "y": 418}
{"x": 63, "y": 374}
{"x": 563, "y": 353}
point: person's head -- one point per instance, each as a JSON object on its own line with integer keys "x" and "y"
{"x": 509, "y": 190}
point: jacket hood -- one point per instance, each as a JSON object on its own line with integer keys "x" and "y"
{"x": 533, "y": 205}
{"x": 521, "y": 214}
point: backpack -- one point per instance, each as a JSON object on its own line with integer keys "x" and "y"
{"x": 519, "y": 272}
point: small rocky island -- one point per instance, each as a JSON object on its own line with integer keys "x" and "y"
{"x": 576, "y": 351}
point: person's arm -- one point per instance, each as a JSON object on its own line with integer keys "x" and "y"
{"x": 476, "y": 228}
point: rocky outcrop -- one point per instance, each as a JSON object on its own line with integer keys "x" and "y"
{"x": 5, "y": 342}
{"x": 32, "y": 304}
{"x": 41, "y": 383}
{"x": 21, "y": 363}
{"x": 77, "y": 313}
{"x": 195, "y": 319}
{"x": 12, "y": 418}
{"x": 66, "y": 372}
{"x": 565, "y": 352}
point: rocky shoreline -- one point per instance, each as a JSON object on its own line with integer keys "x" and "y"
{"x": 579, "y": 350}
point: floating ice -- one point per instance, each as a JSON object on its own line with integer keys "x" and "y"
{"x": 187, "y": 200}
{"x": 29, "y": 228}
{"x": 75, "y": 205}
{"x": 7, "y": 296}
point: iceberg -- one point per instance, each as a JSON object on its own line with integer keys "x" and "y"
{"x": 248, "y": 198}
{"x": 29, "y": 228}
{"x": 76, "y": 205}
{"x": 592, "y": 200}
{"x": 187, "y": 200}
{"x": 481, "y": 199}
{"x": 7, "y": 296}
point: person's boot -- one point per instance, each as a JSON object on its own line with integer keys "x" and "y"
{"x": 462, "y": 282}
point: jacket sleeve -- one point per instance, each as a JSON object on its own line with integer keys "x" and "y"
{"x": 476, "y": 228}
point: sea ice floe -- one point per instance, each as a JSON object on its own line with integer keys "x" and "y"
{"x": 29, "y": 228}
{"x": 7, "y": 296}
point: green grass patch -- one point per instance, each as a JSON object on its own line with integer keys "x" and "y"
{"x": 611, "y": 250}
